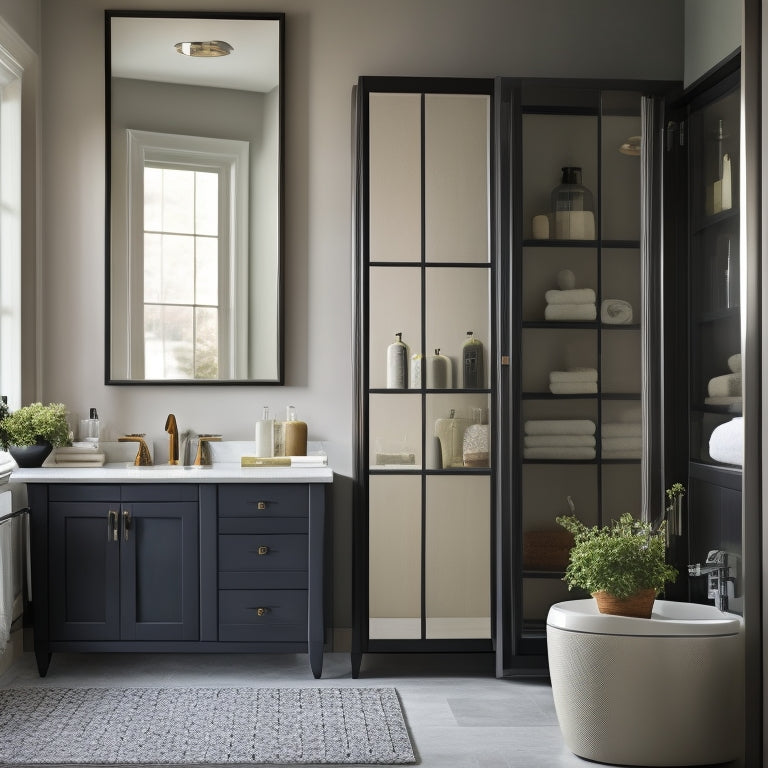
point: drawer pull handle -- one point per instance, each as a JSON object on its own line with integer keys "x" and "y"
{"x": 261, "y": 505}
{"x": 262, "y": 611}
{"x": 263, "y": 550}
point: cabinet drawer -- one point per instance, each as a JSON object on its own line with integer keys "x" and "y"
{"x": 265, "y": 500}
{"x": 263, "y": 552}
{"x": 263, "y": 615}
{"x": 263, "y": 525}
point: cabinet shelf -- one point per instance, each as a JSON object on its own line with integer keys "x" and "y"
{"x": 715, "y": 220}
{"x": 543, "y": 243}
{"x": 418, "y": 391}
{"x": 732, "y": 313}
{"x": 563, "y": 326}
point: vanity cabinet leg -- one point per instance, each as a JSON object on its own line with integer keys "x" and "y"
{"x": 43, "y": 662}
{"x": 316, "y": 658}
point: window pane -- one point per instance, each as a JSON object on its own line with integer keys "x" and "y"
{"x": 153, "y": 259}
{"x": 178, "y": 201}
{"x": 153, "y": 198}
{"x": 178, "y": 275}
{"x": 207, "y": 343}
{"x": 207, "y": 203}
{"x": 168, "y": 351}
{"x": 207, "y": 278}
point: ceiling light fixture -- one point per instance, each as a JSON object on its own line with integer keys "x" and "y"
{"x": 206, "y": 48}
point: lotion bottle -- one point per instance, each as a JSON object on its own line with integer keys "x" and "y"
{"x": 295, "y": 434}
{"x": 265, "y": 438}
{"x": 397, "y": 364}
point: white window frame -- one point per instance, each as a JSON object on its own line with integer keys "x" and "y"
{"x": 230, "y": 159}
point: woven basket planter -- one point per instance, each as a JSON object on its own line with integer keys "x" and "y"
{"x": 638, "y": 606}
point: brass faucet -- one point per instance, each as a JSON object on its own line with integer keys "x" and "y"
{"x": 203, "y": 457}
{"x": 173, "y": 444}
{"x": 143, "y": 458}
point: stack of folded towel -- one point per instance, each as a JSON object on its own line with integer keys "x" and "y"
{"x": 574, "y": 381}
{"x": 726, "y": 389}
{"x": 559, "y": 439}
{"x": 571, "y": 304}
{"x": 80, "y": 454}
{"x": 622, "y": 440}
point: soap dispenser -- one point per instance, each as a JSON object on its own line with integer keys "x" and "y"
{"x": 89, "y": 428}
{"x": 294, "y": 434}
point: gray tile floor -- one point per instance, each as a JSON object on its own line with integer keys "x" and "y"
{"x": 459, "y": 715}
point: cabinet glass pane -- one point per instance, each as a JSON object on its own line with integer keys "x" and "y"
{"x": 620, "y": 198}
{"x": 457, "y": 177}
{"x": 394, "y": 560}
{"x": 622, "y": 362}
{"x": 538, "y": 596}
{"x": 395, "y": 431}
{"x": 545, "y": 351}
{"x": 395, "y": 176}
{"x": 622, "y": 490}
{"x": 458, "y": 557}
{"x": 458, "y": 431}
{"x": 394, "y": 307}
{"x": 551, "y": 142}
{"x": 541, "y": 266}
{"x": 457, "y": 301}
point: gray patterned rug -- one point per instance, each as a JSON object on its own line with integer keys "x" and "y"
{"x": 202, "y": 726}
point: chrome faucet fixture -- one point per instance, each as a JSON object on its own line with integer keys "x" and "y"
{"x": 173, "y": 441}
{"x": 143, "y": 457}
{"x": 720, "y": 570}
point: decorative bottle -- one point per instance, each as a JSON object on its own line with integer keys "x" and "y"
{"x": 397, "y": 364}
{"x": 438, "y": 371}
{"x": 472, "y": 362}
{"x": 265, "y": 435}
{"x": 573, "y": 207}
{"x": 294, "y": 434}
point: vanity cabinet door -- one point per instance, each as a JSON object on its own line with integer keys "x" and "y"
{"x": 84, "y": 571}
{"x": 159, "y": 567}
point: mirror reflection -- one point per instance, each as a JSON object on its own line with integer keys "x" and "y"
{"x": 194, "y": 212}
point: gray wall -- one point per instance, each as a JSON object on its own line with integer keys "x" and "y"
{"x": 329, "y": 44}
{"x": 712, "y": 32}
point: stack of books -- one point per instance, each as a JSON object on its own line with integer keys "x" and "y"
{"x": 79, "y": 454}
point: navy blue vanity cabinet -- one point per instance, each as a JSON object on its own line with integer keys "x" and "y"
{"x": 182, "y": 567}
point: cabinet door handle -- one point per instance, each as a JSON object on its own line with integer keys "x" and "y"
{"x": 261, "y": 505}
{"x": 112, "y": 525}
{"x": 262, "y": 611}
{"x": 262, "y": 550}
{"x": 126, "y": 523}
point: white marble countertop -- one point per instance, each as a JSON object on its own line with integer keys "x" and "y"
{"x": 224, "y": 472}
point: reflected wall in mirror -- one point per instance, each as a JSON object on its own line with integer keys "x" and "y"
{"x": 194, "y": 209}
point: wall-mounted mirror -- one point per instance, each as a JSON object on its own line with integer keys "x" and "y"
{"x": 194, "y": 108}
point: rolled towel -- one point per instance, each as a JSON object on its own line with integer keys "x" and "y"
{"x": 728, "y": 385}
{"x": 627, "y": 453}
{"x": 734, "y": 363}
{"x": 615, "y": 312}
{"x": 726, "y": 443}
{"x": 559, "y": 452}
{"x": 560, "y": 427}
{"x": 572, "y": 375}
{"x": 621, "y": 443}
{"x": 573, "y": 388}
{"x": 732, "y": 401}
{"x": 572, "y": 296}
{"x": 549, "y": 441}
{"x": 621, "y": 429}
{"x": 570, "y": 312}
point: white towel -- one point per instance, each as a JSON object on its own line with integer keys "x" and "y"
{"x": 615, "y": 312}
{"x": 627, "y": 453}
{"x": 728, "y": 385}
{"x": 559, "y": 452}
{"x": 732, "y": 401}
{"x": 734, "y": 363}
{"x": 549, "y": 441}
{"x": 572, "y": 296}
{"x": 570, "y": 312}
{"x": 621, "y": 429}
{"x": 560, "y": 427}
{"x": 573, "y": 374}
{"x": 726, "y": 443}
{"x": 573, "y": 388}
{"x": 621, "y": 443}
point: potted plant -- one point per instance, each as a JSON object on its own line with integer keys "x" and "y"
{"x": 30, "y": 433}
{"x": 622, "y": 565}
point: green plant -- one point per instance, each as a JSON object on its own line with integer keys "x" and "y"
{"x": 677, "y": 490}
{"x": 621, "y": 558}
{"x": 35, "y": 422}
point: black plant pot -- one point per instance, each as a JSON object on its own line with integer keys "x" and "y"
{"x": 30, "y": 455}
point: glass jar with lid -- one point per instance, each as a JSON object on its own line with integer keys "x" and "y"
{"x": 572, "y": 207}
